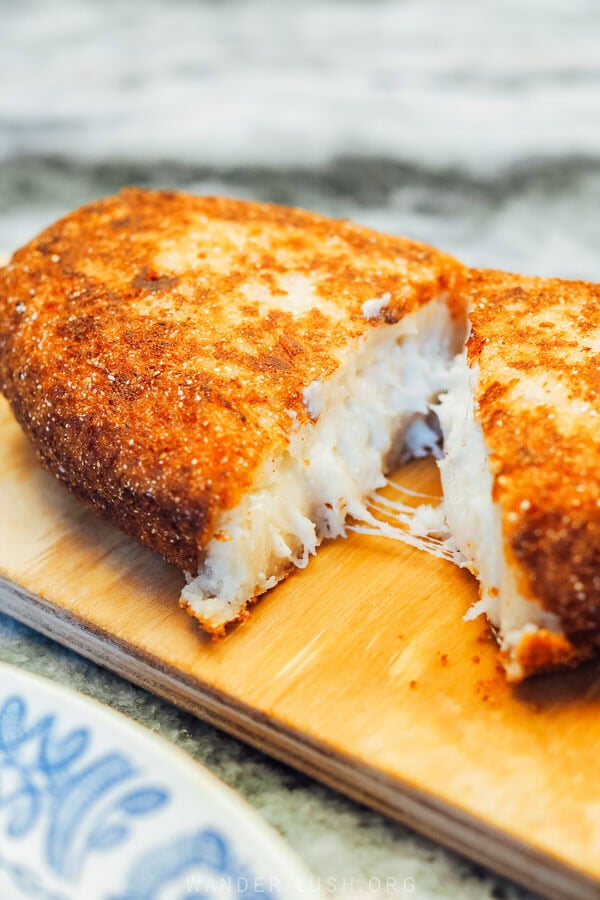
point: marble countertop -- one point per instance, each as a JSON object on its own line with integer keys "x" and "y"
{"x": 472, "y": 126}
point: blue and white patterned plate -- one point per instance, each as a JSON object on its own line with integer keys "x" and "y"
{"x": 94, "y": 806}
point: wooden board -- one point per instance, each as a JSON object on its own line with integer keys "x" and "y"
{"x": 358, "y": 670}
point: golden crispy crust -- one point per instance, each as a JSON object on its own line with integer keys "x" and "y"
{"x": 152, "y": 347}
{"x": 536, "y": 342}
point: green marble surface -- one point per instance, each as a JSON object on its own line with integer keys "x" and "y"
{"x": 350, "y": 850}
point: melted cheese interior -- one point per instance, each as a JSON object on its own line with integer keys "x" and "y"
{"x": 475, "y": 519}
{"x": 375, "y": 403}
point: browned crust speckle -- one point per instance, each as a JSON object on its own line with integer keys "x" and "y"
{"x": 536, "y": 343}
{"x": 136, "y": 355}
{"x": 542, "y": 651}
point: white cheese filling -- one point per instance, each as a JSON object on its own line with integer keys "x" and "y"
{"x": 332, "y": 464}
{"x": 475, "y": 519}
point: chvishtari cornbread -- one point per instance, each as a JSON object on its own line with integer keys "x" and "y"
{"x": 226, "y": 381}
{"x": 521, "y": 470}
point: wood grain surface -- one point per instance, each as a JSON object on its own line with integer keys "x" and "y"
{"x": 358, "y": 670}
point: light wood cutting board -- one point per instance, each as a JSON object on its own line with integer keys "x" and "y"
{"x": 358, "y": 670}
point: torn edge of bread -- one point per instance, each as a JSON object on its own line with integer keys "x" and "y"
{"x": 531, "y": 638}
{"x": 361, "y": 418}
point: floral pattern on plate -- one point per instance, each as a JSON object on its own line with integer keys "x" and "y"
{"x": 94, "y": 806}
